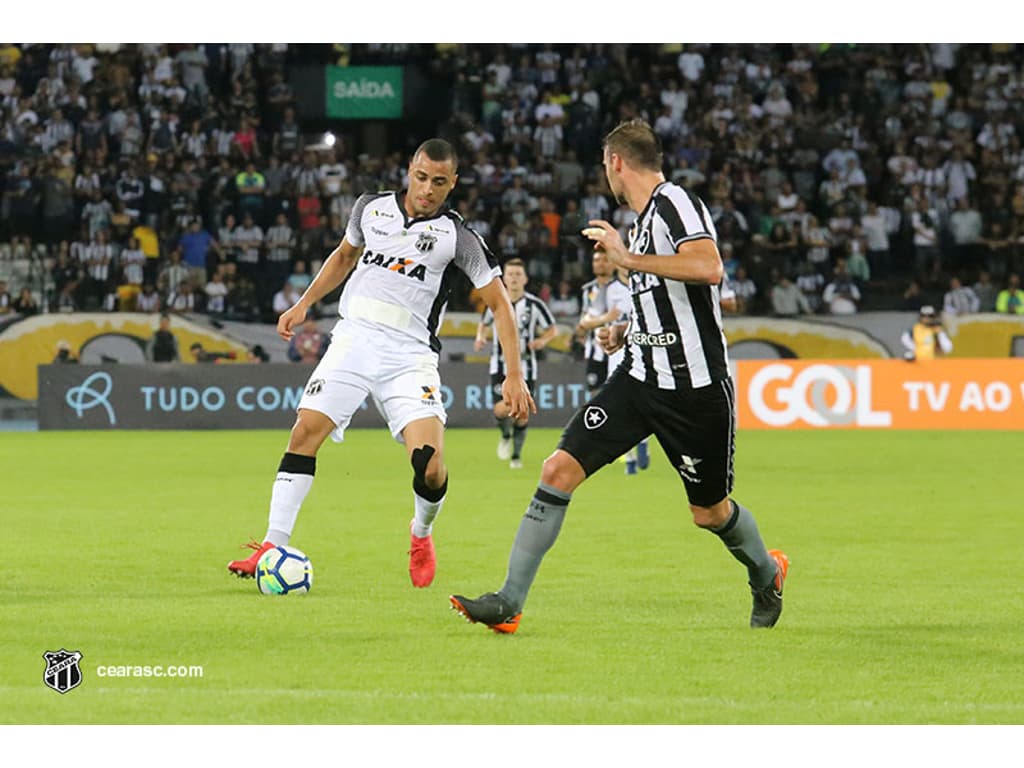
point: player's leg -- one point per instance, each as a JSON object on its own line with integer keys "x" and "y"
{"x": 335, "y": 390}
{"x": 409, "y": 397}
{"x": 291, "y": 485}
{"x": 596, "y": 435}
{"x": 503, "y": 418}
{"x": 698, "y": 437}
{"x": 519, "y": 434}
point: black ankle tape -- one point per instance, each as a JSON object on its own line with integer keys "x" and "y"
{"x": 297, "y": 464}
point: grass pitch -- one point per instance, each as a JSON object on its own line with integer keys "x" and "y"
{"x": 903, "y": 604}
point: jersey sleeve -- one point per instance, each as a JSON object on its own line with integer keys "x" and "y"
{"x": 684, "y": 216}
{"x": 473, "y": 256}
{"x": 620, "y": 297}
{"x": 544, "y": 317}
{"x": 354, "y": 230}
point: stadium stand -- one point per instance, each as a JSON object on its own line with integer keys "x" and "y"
{"x": 190, "y": 178}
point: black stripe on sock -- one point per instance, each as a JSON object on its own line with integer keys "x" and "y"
{"x": 550, "y": 499}
{"x": 732, "y": 520}
{"x": 424, "y": 491}
{"x": 297, "y": 464}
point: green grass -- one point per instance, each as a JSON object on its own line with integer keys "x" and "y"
{"x": 903, "y": 604}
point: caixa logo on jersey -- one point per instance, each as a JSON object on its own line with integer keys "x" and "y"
{"x": 820, "y": 395}
{"x": 396, "y": 264}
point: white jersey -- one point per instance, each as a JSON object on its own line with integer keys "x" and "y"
{"x": 532, "y": 318}
{"x": 403, "y": 277}
{"x": 597, "y": 300}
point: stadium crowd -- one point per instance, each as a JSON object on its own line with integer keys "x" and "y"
{"x": 840, "y": 178}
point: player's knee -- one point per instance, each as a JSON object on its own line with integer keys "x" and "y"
{"x": 713, "y": 517}
{"x": 306, "y": 436}
{"x": 562, "y": 471}
{"x": 428, "y": 467}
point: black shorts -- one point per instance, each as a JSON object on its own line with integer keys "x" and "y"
{"x": 597, "y": 372}
{"x": 696, "y": 429}
{"x": 496, "y": 381}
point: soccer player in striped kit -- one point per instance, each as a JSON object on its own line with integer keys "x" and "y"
{"x": 536, "y": 330}
{"x": 674, "y": 383}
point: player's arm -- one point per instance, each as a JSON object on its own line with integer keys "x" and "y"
{"x": 545, "y": 338}
{"x": 513, "y": 390}
{"x": 589, "y": 322}
{"x": 333, "y": 272}
{"x": 695, "y": 261}
{"x": 486, "y": 319}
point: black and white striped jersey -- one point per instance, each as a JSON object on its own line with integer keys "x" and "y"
{"x": 675, "y": 340}
{"x": 404, "y": 275}
{"x": 532, "y": 318}
{"x": 597, "y": 299}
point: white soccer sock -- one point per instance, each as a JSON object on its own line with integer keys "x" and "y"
{"x": 286, "y": 499}
{"x": 426, "y": 511}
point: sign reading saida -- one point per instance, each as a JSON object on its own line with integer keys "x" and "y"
{"x": 364, "y": 92}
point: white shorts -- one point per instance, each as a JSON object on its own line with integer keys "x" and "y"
{"x": 402, "y": 379}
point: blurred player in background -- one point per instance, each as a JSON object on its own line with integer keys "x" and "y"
{"x": 398, "y": 247}
{"x": 536, "y": 327}
{"x": 605, "y": 300}
{"x": 674, "y": 383}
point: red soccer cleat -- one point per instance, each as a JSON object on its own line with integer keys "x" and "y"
{"x": 246, "y": 569}
{"x": 422, "y": 561}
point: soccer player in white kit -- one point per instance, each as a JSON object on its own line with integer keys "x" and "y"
{"x": 401, "y": 250}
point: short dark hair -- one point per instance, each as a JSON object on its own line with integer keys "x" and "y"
{"x": 438, "y": 150}
{"x": 516, "y": 262}
{"x": 637, "y": 142}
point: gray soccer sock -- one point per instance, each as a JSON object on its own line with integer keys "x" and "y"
{"x": 741, "y": 536}
{"x": 537, "y": 533}
{"x": 518, "y": 438}
{"x": 505, "y": 425}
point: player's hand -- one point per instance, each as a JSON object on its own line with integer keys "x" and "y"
{"x": 606, "y": 238}
{"x": 536, "y": 344}
{"x": 290, "y": 318}
{"x": 611, "y": 337}
{"x": 478, "y": 344}
{"x": 517, "y": 396}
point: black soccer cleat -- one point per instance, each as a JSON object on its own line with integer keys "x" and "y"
{"x": 490, "y": 609}
{"x": 768, "y": 600}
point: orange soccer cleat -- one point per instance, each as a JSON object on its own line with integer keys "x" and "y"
{"x": 490, "y": 609}
{"x": 246, "y": 569}
{"x": 768, "y": 600}
{"x": 422, "y": 560}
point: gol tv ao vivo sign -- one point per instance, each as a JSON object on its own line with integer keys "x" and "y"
{"x": 364, "y": 92}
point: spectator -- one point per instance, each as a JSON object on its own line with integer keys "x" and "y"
{"x": 841, "y": 296}
{"x": 565, "y": 304}
{"x": 196, "y": 245}
{"x": 64, "y": 353}
{"x": 787, "y": 299}
{"x": 744, "y": 289}
{"x": 308, "y": 345}
{"x": 216, "y": 291}
{"x": 201, "y": 355}
{"x": 965, "y": 226}
{"x": 959, "y": 299}
{"x": 25, "y": 304}
{"x": 6, "y": 302}
{"x": 163, "y": 345}
{"x": 985, "y": 291}
{"x": 1011, "y": 298}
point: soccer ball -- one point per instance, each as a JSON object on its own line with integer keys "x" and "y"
{"x": 284, "y": 571}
